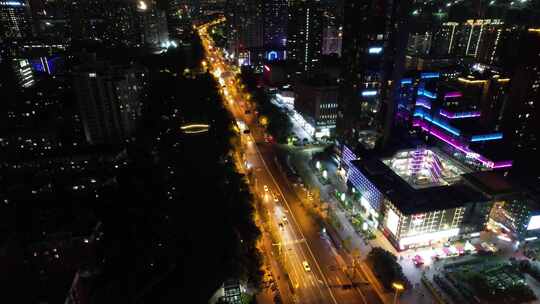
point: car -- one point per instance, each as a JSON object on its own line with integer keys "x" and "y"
{"x": 284, "y": 219}
{"x": 247, "y": 131}
{"x": 274, "y": 196}
{"x": 417, "y": 260}
{"x": 306, "y": 266}
{"x": 265, "y": 188}
{"x": 247, "y": 112}
{"x": 281, "y": 226}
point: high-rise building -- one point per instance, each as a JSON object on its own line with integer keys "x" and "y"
{"x": 154, "y": 24}
{"x": 477, "y": 38}
{"x": 15, "y": 20}
{"x": 521, "y": 122}
{"x": 305, "y": 33}
{"x": 109, "y": 99}
{"x": 244, "y": 25}
{"x": 374, "y": 44}
{"x": 275, "y": 23}
{"x": 419, "y": 43}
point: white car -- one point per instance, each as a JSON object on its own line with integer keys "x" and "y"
{"x": 306, "y": 266}
{"x": 265, "y": 188}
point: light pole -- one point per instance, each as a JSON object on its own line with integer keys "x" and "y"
{"x": 398, "y": 287}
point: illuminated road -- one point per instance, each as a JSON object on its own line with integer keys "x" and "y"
{"x": 300, "y": 237}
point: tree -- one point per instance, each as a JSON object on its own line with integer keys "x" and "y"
{"x": 386, "y": 267}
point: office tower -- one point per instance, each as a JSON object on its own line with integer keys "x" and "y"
{"x": 275, "y": 23}
{"x": 109, "y": 99}
{"x": 477, "y": 38}
{"x": 15, "y": 20}
{"x": 244, "y": 26}
{"x": 332, "y": 40}
{"x": 419, "y": 43}
{"x": 305, "y": 28}
{"x": 521, "y": 122}
{"x": 154, "y": 24}
{"x": 444, "y": 39}
{"x": 122, "y": 23}
{"x": 374, "y": 43}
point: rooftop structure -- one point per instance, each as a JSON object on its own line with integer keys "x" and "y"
{"x": 424, "y": 168}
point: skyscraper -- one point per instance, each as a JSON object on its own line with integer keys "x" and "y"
{"x": 521, "y": 122}
{"x": 244, "y": 25}
{"x": 15, "y": 20}
{"x": 275, "y": 23}
{"x": 305, "y": 29}
{"x": 374, "y": 44}
{"x": 109, "y": 99}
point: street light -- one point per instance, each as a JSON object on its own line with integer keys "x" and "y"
{"x": 398, "y": 287}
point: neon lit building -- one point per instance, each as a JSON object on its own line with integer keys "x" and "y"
{"x": 452, "y": 113}
{"x": 417, "y": 197}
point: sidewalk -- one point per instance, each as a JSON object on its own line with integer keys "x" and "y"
{"x": 419, "y": 293}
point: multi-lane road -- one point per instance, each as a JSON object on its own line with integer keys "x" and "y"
{"x": 315, "y": 267}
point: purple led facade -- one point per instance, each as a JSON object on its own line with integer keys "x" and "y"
{"x": 453, "y": 95}
{"x": 459, "y": 145}
{"x": 458, "y": 115}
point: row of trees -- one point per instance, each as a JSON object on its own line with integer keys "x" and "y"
{"x": 387, "y": 268}
{"x": 277, "y": 122}
{"x": 179, "y": 221}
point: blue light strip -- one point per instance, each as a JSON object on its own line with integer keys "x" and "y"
{"x": 486, "y": 137}
{"x": 438, "y": 123}
{"x": 406, "y": 81}
{"x": 369, "y": 93}
{"x": 423, "y": 92}
{"x": 429, "y": 75}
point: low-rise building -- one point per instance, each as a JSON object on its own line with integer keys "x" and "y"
{"x": 317, "y": 102}
{"x": 417, "y": 197}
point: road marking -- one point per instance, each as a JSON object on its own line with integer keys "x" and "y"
{"x": 296, "y": 223}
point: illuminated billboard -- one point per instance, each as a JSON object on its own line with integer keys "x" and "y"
{"x": 534, "y": 222}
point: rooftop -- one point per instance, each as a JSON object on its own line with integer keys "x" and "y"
{"x": 424, "y": 168}
{"x": 422, "y": 193}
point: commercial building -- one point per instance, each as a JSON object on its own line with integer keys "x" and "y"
{"x": 416, "y": 197}
{"x": 109, "y": 99}
{"x": 317, "y": 101}
{"x": 515, "y": 215}
{"x": 450, "y": 113}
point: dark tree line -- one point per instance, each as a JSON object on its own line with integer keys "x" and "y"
{"x": 278, "y": 123}
{"x": 179, "y": 220}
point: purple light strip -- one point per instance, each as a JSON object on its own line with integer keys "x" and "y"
{"x": 503, "y": 164}
{"x": 453, "y": 95}
{"x": 460, "y": 146}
